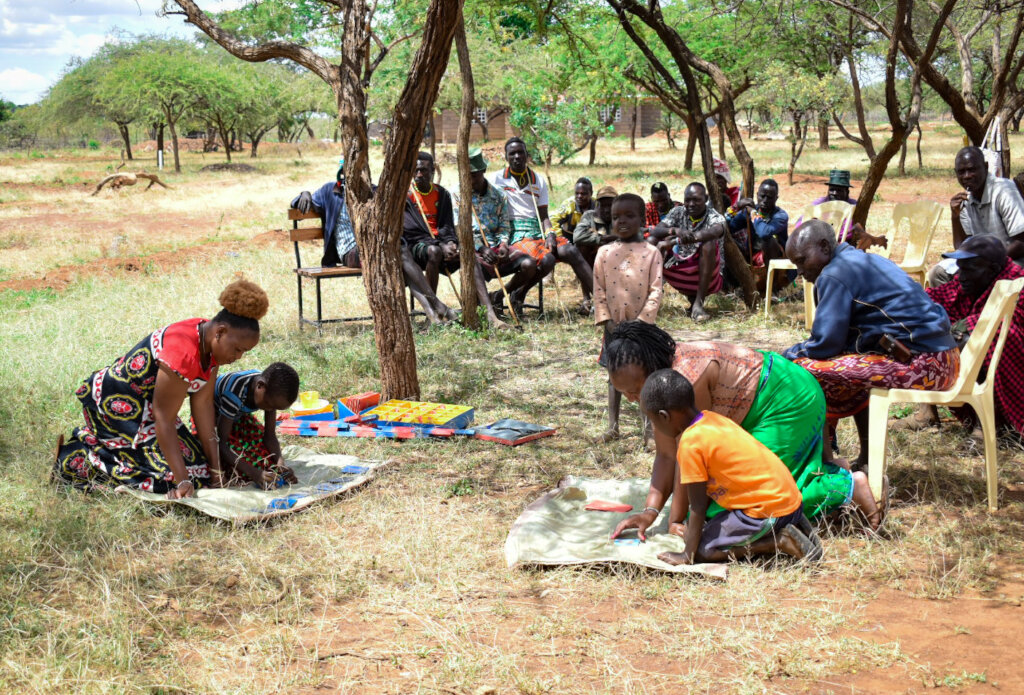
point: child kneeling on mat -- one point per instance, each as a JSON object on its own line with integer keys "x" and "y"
{"x": 719, "y": 461}
{"x": 248, "y": 450}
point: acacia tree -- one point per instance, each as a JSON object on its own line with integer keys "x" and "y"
{"x": 87, "y": 89}
{"x": 801, "y": 96}
{"x": 901, "y": 120}
{"x": 985, "y": 36}
{"x": 376, "y": 214}
{"x": 270, "y": 92}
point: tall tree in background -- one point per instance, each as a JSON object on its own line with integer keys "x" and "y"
{"x": 376, "y": 214}
{"x": 901, "y": 119}
{"x": 668, "y": 86}
{"x": 984, "y": 35}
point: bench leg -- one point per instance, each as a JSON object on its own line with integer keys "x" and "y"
{"x": 298, "y": 279}
{"x": 319, "y": 311}
{"x": 540, "y": 297}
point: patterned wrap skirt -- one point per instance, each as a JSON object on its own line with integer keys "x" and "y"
{"x": 847, "y": 380}
{"x": 683, "y": 273}
{"x": 98, "y": 454}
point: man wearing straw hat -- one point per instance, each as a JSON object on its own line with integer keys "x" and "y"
{"x": 492, "y": 228}
{"x": 527, "y": 193}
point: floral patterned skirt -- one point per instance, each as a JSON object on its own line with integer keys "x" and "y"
{"x": 98, "y": 453}
{"x": 847, "y": 380}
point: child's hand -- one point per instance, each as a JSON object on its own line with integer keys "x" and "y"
{"x": 639, "y": 521}
{"x": 267, "y": 480}
{"x": 677, "y": 529}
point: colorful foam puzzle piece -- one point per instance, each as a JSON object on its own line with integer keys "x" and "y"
{"x": 603, "y": 506}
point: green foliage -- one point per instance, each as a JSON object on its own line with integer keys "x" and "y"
{"x": 785, "y": 89}
{"x": 6, "y": 110}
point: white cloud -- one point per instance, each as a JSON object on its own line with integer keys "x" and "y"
{"x": 39, "y": 37}
{"x": 20, "y": 85}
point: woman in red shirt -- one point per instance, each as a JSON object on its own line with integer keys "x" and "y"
{"x": 132, "y": 435}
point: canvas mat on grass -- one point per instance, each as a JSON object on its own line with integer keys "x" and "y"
{"x": 557, "y": 530}
{"x": 321, "y": 476}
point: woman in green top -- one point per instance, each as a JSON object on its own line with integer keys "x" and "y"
{"x": 776, "y": 401}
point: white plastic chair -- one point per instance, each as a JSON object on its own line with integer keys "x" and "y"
{"x": 922, "y": 219}
{"x": 997, "y": 314}
{"x": 832, "y": 211}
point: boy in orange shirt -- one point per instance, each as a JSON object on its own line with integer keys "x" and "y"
{"x": 719, "y": 461}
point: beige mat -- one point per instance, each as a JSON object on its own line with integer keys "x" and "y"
{"x": 557, "y": 530}
{"x": 321, "y": 476}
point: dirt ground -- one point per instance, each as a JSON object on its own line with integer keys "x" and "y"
{"x": 52, "y": 236}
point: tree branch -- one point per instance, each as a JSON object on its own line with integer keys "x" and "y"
{"x": 260, "y": 52}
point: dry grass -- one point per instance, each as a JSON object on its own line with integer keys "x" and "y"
{"x": 402, "y": 588}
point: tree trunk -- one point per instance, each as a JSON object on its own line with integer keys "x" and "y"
{"x": 823, "y": 130}
{"x": 225, "y": 137}
{"x": 593, "y": 150}
{"x": 377, "y": 215}
{"x": 632, "y": 124}
{"x": 467, "y": 253}
{"x": 127, "y": 139}
{"x": 159, "y": 128}
{"x": 721, "y": 140}
{"x": 691, "y": 143}
{"x": 921, "y": 162}
{"x": 174, "y": 140}
{"x": 903, "y": 159}
{"x": 433, "y": 134}
{"x": 1004, "y": 134}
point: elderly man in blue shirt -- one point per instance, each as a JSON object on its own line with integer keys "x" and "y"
{"x": 874, "y": 328}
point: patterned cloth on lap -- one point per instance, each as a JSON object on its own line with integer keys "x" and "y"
{"x": 1009, "y": 383}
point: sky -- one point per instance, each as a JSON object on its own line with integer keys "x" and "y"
{"x": 39, "y": 37}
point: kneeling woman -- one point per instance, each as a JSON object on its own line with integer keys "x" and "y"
{"x": 132, "y": 435}
{"x": 776, "y": 401}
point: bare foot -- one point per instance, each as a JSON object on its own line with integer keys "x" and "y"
{"x": 698, "y": 314}
{"x": 499, "y": 324}
{"x": 610, "y": 435}
{"x": 867, "y": 504}
{"x": 841, "y": 462}
{"x": 673, "y": 558}
{"x": 926, "y": 416}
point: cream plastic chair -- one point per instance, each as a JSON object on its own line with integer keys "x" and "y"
{"x": 922, "y": 219}
{"x": 997, "y": 314}
{"x": 835, "y": 212}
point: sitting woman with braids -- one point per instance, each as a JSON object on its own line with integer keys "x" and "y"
{"x": 132, "y": 435}
{"x": 778, "y": 403}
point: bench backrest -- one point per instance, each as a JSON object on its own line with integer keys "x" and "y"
{"x": 307, "y": 233}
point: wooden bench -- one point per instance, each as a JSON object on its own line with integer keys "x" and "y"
{"x": 317, "y": 273}
{"x": 299, "y": 234}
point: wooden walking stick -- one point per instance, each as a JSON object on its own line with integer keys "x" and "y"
{"x": 423, "y": 215}
{"x": 497, "y": 273}
{"x": 540, "y": 225}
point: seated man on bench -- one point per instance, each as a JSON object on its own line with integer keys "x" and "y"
{"x": 340, "y": 243}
